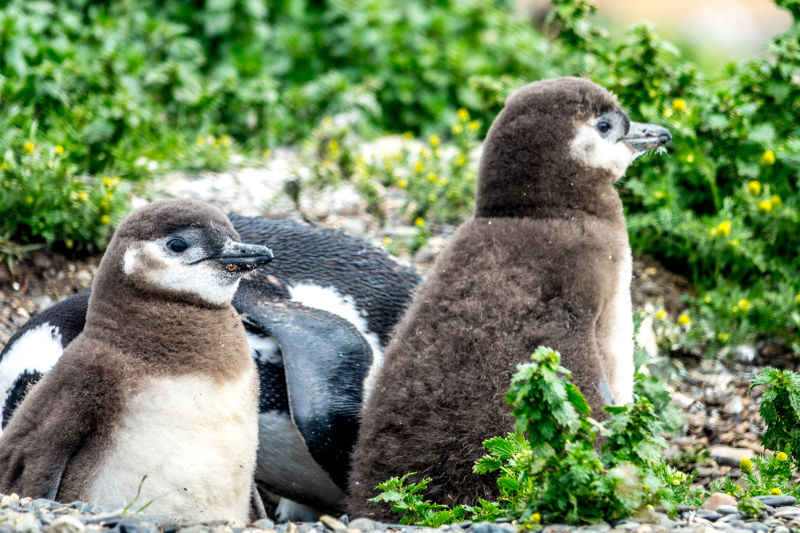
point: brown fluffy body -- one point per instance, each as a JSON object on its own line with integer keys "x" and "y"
{"x": 535, "y": 266}
{"x": 133, "y": 332}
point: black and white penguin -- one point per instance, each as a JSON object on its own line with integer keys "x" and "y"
{"x": 158, "y": 395}
{"x": 316, "y": 322}
{"x": 544, "y": 261}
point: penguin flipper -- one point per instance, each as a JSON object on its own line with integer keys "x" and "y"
{"x": 326, "y": 360}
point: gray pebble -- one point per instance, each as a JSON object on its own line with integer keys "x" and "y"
{"x": 332, "y": 523}
{"x": 777, "y": 501}
{"x": 363, "y": 524}
{"x": 708, "y": 515}
{"x": 65, "y": 524}
{"x": 28, "y": 524}
{"x": 264, "y": 523}
{"x": 727, "y": 509}
{"x": 781, "y": 529}
{"x": 756, "y": 526}
{"x": 786, "y": 512}
{"x": 486, "y": 527}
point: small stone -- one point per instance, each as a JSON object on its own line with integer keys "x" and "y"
{"x": 786, "y": 512}
{"x": 727, "y": 509}
{"x": 745, "y": 353}
{"x": 756, "y": 526}
{"x": 707, "y": 514}
{"x": 332, "y": 523}
{"x": 9, "y": 499}
{"x": 27, "y": 524}
{"x": 734, "y": 406}
{"x": 264, "y": 523}
{"x": 713, "y": 502}
{"x": 363, "y": 524}
{"x": 83, "y": 277}
{"x": 777, "y": 501}
{"x": 486, "y": 527}
{"x": 728, "y": 455}
{"x": 780, "y": 529}
{"x": 65, "y": 524}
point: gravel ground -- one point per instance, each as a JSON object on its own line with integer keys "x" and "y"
{"x": 719, "y": 414}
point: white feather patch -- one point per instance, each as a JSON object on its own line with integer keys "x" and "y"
{"x": 331, "y": 300}
{"x": 36, "y": 350}
{"x": 591, "y": 149}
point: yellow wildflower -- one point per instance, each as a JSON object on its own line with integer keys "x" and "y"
{"x": 706, "y": 299}
{"x": 419, "y": 222}
{"x": 781, "y": 456}
{"x": 776, "y": 200}
{"x": 744, "y": 304}
{"x": 266, "y": 153}
{"x": 326, "y": 122}
{"x": 333, "y": 145}
{"x": 679, "y": 105}
{"x": 724, "y": 228}
{"x": 387, "y": 241}
{"x": 402, "y": 184}
{"x": 457, "y": 128}
{"x": 474, "y": 125}
{"x": 461, "y": 160}
{"x": 738, "y": 487}
{"x": 536, "y": 518}
{"x": 29, "y": 199}
{"x": 712, "y": 232}
{"x": 745, "y": 465}
{"x": 645, "y": 488}
{"x": 661, "y": 315}
{"x": 754, "y": 187}
{"x": 775, "y": 492}
{"x": 434, "y": 140}
{"x": 69, "y": 243}
{"x": 225, "y": 141}
{"x": 797, "y": 299}
{"x": 419, "y": 167}
{"x": 659, "y": 194}
{"x": 723, "y": 337}
{"x": 59, "y": 149}
{"x": 690, "y": 158}
{"x": 115, "y": 180}
{"x": 432, "y": 176}
{"x": 28, "y": 147}
{"x": 765, "y": 206}
{"x": 463, "y": 114}
{"x": 676, "y": 482}
{"x": 441, "y": 182}
{"x": 83, "y": 196}
{"x": 200, "y": 141}
{"x": 684, "y": 320}
{"x": 768, "y": 158}
{"x": 667, "y": 112}
{"x": 408, "y": 135}
{"x": 4, "y": 165}
{"x": 105, "y": 219}
{"x": 107, "y": 180}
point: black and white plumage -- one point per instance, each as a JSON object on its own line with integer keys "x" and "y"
{"x": 316, "y": 319}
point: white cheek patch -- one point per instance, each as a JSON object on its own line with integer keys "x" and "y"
{"x": 36, "y": 350}
{"x": 331, "y": 300}
{"x": 589, "y": 148}
{"x": 201, "y": 279}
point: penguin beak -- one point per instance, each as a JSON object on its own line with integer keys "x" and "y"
{"x": 242, "y": 257}
{"x": 642, "y": 137}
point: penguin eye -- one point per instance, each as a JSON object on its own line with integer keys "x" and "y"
{"x": 177, "y": 245}
{"x": 603, "y": 126}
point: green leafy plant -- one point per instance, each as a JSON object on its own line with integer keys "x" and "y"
{"x": 780, "y": 410}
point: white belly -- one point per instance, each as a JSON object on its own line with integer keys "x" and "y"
{"x": 620, "y": 339}
{"x": 195, "y": 439}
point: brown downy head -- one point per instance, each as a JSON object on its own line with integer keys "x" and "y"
{"x": 556, "y": 148}
{"x": 176, "y": 250}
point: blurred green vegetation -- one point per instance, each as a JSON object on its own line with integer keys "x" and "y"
{"x": 94, "y": 91}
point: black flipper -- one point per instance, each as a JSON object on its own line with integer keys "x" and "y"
{"x": 326, "y": 360}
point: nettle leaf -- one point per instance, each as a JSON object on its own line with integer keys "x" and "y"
{"x": 500, "y": 447}
{"x": 762, "y": 133}
{"x": 487, "y": 464}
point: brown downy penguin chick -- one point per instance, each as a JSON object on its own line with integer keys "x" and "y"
{"x": 544, "y": 261}
{"x": 159, "y": 389}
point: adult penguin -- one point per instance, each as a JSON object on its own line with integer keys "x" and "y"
{"x": 316, "y": 320}
{"x": 544, "y": 261}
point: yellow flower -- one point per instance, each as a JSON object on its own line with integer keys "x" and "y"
{"x": 29, "y": 199}
{"x": 744, "y": 304}
{"x": 765, "y": 206}
{"x": 776, "y": 200}
{"x": 431, "y": 198}
{"x": 387, "y": 241}
{"x": 676, "y": 482}
{"x": 408, "y": 135}
{"x": 432, "y": 176}
{"x": 461, "y": 160}
{"x": 646, "y": 488}
{"x": 661, "y": 315}
{"x": 474, "y": 125}
{"x": 738, "y": 487}
{"x": 115, "y": 180}
{"x": 225, "y": 140}
{"x": 659, "y": 194}
{"x": 724, "y": 228}
{"x": 28, "y": 147}
{"x": 59, "y": 149}
{"x": 333, "y": 145}
{"x": 463, "y": 114}
{"x": 107, "y": 181}
{"x": 536, "y": 518}
{"x": 712, "y": 232}
{"x": 441, "y": 182}
{"x": 434, "y": 140}
{"x": 768, "y": 158}
{"x": 745, "y": 465}
{"x": 402, "y": 184}
{"x": 797, "y": 299}
{"x": 679, "y": 105}
{"x": 690, "y": 158}
{"x": 200, "y": 141}
{"x": 4, "y": 165}
{"x": 781, "y": 456}
{"x": 83, "y": 196}
{"x": 775, "y": 492}
{"x": 754, "y": 187}
{"x": 105, "y": 219}
{"x": 69, "y": 243}
{"x": 326, "y": 122}
{"x": 266, "y": 153}
{"x": 706, "y": 299}
{"x": 457, "y": 128}
{"x": 419, "y": 222}
{"x": 723, "y": 337}
{"x": 419, "y": 167}
{"x": 667, "y": 112}
{"x": 684, "y": 320}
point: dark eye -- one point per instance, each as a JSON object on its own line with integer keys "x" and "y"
{"x": 177, "y": 245}
{"x": 603, "y": 126}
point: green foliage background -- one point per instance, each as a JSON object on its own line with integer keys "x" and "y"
{"x": 90, "y": 90}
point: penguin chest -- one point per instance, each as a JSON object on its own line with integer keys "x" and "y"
{"x": 190, "y": 442}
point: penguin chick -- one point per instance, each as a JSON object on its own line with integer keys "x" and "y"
{"x": 544, "y": 261}
{"x": 159, "y": 391}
